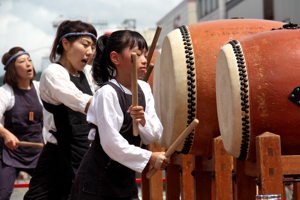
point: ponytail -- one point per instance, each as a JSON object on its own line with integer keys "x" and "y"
{"x": 103, "y": 68}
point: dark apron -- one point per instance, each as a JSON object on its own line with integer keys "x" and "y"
{"x": 17, "y": 122}
{"x": 72, "y": 133}
{"x": 99, "y": 175}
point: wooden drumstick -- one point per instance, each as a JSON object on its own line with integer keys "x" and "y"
{"x": 175, "y": 145}
{"x": 30, "y": 144}
{"x": 134, "y": 91}
{"x": 153, "y": 45}
{"x": 149, "y": 70}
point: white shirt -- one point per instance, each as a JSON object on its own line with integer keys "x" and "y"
{"x": 7, "y": 98}
{"x": 106, "y": 113}
{"x": 56, "y": 88}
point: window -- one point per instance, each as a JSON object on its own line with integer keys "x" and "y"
{"x": 231, "y": 3}
{"x": 206, "y": 6}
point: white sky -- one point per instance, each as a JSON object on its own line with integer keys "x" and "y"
{"x": 29, "y": 23}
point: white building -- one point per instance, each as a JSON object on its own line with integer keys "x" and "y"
{"x": 193, "y": 11}
{"x": 185, "y": 13}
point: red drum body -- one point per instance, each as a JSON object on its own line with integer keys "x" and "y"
{"x": 257, "y": 79}
{"x": 187, "y": 79}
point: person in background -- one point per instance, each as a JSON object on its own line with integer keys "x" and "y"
{"x": 107, "y": 171}
{"x": 66, "y": 88}
{"x": 21, "y": 119}
{"x": 289, "y": 191}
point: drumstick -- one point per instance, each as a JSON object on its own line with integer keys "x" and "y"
{"x": 174, "y": 146}
{"x": 134, "y": 90}
{"x": 30, "y": 144}
{"x": 153, "y": 45}
{"x": 149, "y": 70}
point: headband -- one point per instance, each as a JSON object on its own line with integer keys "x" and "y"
{"x": 77, "y": 34}
{"x": 13, "y": 57}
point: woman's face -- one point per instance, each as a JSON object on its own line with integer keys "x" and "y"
{"x": 141, "y": 60}
{"x": 24, "y": 67}
{"x": 81, "y": 51}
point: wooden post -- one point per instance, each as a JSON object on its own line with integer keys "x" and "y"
{"x": 145, "y": 184}
{"x": 268, "y": 156}
{"x": 156, "y": 184}
{"x": 173, "y": 178}
{"x": 244, "y": 185}
{"x": 296, "y": 190}
{"x": 187, "y": 182}
{"x": 222, "y": 164}
{"x": 202, "y": 178}
{"x": 152, "y": 188}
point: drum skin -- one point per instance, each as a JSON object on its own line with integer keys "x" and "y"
{"x": 187, "y": 79}
{"x": 256, "y": 100}
{"x": 154, "y": 81}
{"x": 156, "y": 64}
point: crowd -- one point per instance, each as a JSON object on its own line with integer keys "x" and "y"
{"x": 87, "y": 112}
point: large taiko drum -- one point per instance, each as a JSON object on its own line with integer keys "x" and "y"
{"x": 187, "y": 79}
{"x": 257, "y": 79}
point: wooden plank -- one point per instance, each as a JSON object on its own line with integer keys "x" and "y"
{"x": 156, "y": 186}
{"x": 176, "y": 159}
{"x": 202, "y": 179}
{"x": 173, "y": 181}
{"x": 296, "y": 190}
{"x": 145, "y": 184}
{"x": 250, "y": 168}
{"x": 268, "y": 156}
{"x": 290, "y": 164}
{"x": 187, "y": 180}
{"x": 155, "y": 182}
{"x": 153, "y": 188}
{"x": 222, "y": 163}
{"x": 244, "y": 186}
{"x": 207, "y": 164}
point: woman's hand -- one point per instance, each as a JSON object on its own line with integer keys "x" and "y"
{"x": 9, "y": 138}
{"x": 137, "y": 114}
{"x": 159, "y": 161}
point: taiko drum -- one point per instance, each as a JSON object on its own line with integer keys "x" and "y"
{"x": 257, "y": 87}
{"x": 187, "y": 79}
{"x": 154, "y": 80}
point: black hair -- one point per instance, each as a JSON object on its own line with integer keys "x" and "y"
{"x": 65, "y": 27}
{"x": 103, "y": 69}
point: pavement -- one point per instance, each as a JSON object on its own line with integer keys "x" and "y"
{"x": 18, "y": 193}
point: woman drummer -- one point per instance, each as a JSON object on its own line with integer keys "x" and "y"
{"x": 66, "y": 91}
{"x": 21, "y": 119}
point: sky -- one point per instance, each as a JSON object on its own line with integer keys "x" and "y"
{"x": 29, "y": 23}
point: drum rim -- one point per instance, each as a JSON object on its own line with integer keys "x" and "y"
{"x": 236, "y": 131}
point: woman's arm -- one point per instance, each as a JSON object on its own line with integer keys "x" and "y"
{"x": 9, "y": 138}
{"x": 57, "y": 88}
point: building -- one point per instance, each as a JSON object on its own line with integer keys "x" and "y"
{"x": 185, "y": 13}
{"x": 193, "y": 11}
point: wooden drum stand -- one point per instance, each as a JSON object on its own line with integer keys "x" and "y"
{"x": 194, "y": 177}
{"x": 269, "y": 169}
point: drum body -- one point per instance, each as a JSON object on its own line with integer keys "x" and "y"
{"x": 187, "y": 79}
{"x": 254, "y": 78}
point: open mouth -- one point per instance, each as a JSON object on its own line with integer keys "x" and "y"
{"x": 84, "y": 61}
{"x": 29, "y": 70}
